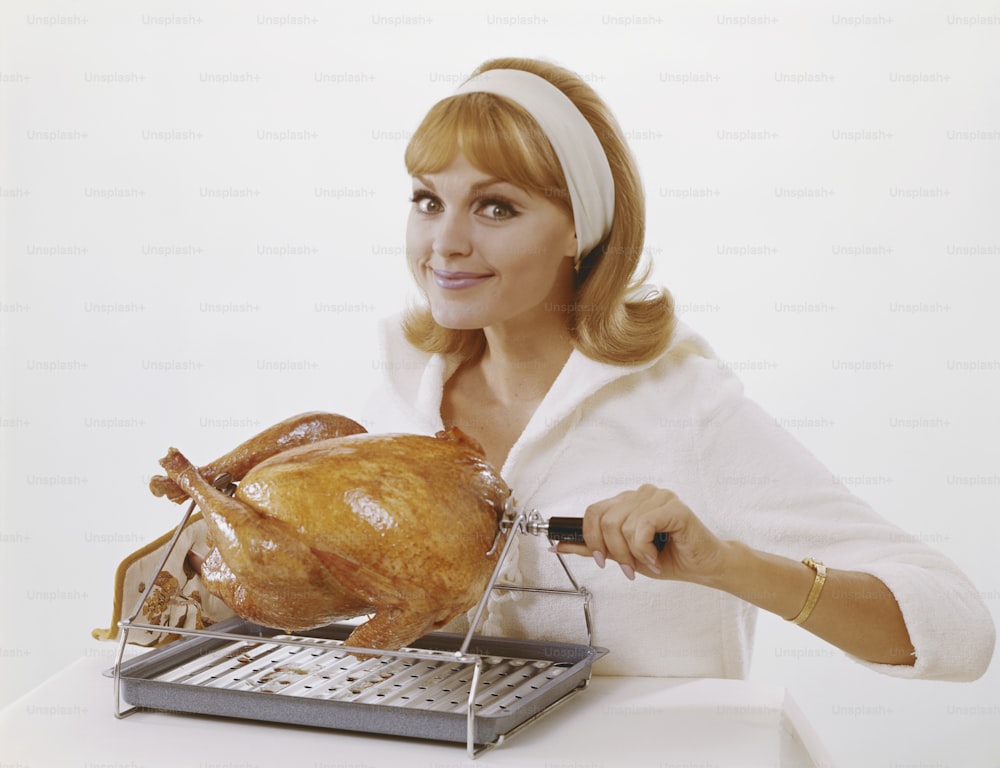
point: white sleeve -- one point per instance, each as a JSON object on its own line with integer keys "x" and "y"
{"x": 770, "y": 492}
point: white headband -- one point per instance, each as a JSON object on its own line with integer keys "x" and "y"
{"x": 584, "y": 164}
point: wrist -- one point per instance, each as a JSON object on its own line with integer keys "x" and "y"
{"x": 814, "y": 592}
{"x": 724, "y": 572}
{"x": 776, "y": 584}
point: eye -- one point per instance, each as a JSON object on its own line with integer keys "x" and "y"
{"x": 497, "y": 210}
{"x": 425, "y": 202}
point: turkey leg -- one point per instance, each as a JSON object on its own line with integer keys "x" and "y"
{"x": 257, "y": 564}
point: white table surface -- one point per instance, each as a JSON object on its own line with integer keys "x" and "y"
{"x": 68, "y": 720}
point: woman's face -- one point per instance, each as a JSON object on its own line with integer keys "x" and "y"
{"x": 488, "y": 253}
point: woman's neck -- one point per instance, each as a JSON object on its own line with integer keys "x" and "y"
{"x": 521, "y": 367}
{"x": 493, "y": 397}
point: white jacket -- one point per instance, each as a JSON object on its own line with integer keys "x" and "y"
{"x": 682, "y": 422}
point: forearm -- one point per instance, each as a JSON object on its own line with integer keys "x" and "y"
{"x": 856, "y": 612}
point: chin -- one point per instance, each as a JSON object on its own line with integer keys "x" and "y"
{"x": 457, "y": 321}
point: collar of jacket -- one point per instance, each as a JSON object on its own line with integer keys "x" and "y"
{"x": 418, "y": 379}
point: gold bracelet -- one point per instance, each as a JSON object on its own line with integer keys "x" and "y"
{"x": 817, "y": 587}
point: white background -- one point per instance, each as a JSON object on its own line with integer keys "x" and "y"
{"x": 203, "y": 212}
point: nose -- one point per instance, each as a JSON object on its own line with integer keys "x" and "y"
{"x": 452, "y": 235}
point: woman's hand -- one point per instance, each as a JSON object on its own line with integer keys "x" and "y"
{"x": 622, "y": 528}
{"x": 856, "y": 611}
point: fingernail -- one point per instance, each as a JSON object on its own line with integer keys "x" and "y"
{"x": 627, "y": 570}
{"x": 599, "y": 558}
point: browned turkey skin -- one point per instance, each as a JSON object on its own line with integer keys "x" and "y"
{"x": 329, "y": 522}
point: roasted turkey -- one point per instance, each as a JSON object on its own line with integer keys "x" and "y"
{"x": 329, "y": 522}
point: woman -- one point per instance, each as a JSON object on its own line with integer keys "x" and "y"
{"x": 537, "y": 339}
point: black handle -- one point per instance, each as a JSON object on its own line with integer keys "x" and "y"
{"x": 571, "y": 529}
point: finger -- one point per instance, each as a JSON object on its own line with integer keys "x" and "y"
{"x": 643, "y": 546}
{"x": 616, "y": 543}
{"x": 656, "y": 516}
{"x": 593, "y": 536}
{"x": 565, "y": 548}
{"x": 568, "y": 548}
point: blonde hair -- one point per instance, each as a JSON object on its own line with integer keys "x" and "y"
{"x": 502, "y": 139}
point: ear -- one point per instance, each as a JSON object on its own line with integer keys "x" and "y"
{"x": 572, "y": 247}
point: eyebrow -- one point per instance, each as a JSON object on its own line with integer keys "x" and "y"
{"x": 477, "y": 189}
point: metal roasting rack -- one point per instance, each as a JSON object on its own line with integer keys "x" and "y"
{"x": 450, "y": 687}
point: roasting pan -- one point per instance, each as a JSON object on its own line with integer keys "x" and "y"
{"x": 468, "y": 688}
{"x": 246, "y": 671}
